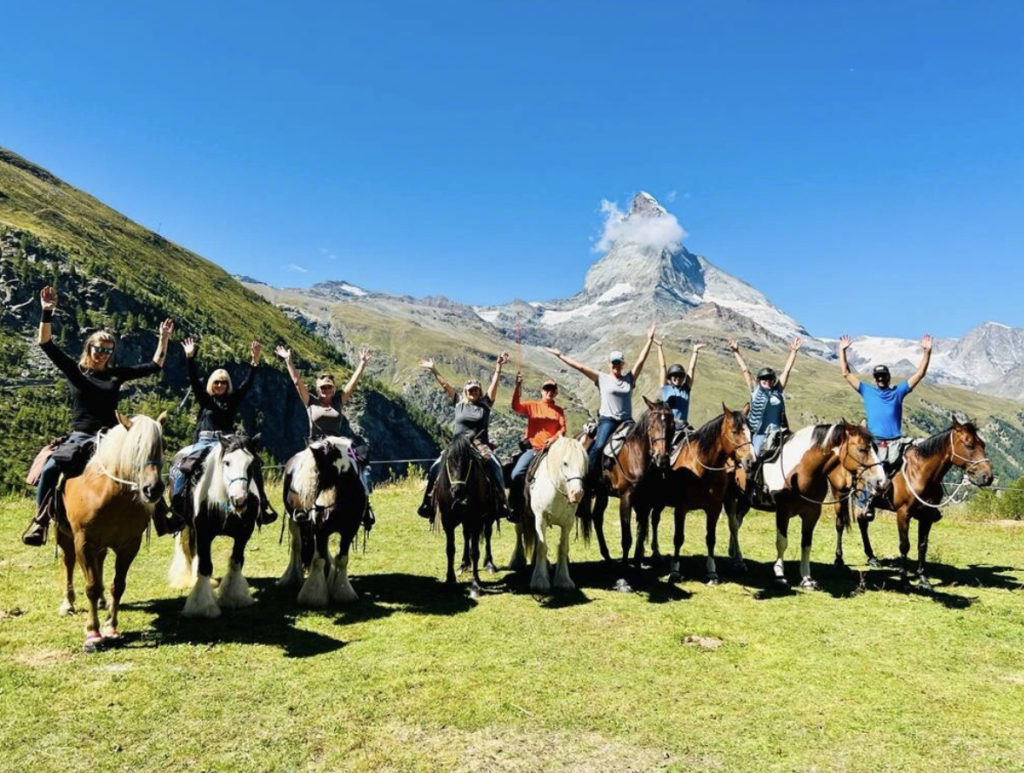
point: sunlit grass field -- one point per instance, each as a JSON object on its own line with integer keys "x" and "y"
{"x": 857, "y": 676}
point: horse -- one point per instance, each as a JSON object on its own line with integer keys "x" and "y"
{"x": 798, "y": 480}
{"x": 108, "y": 507}
{"x": 323, "y": 495}
{"x": 699, "y": 477}
{"x": 554, "y": 489}
{"x": 916, "y": 489}
{"x": 224, "y": 501}
{"x": 463, "y": 494}
{"x": 644, "y": 451}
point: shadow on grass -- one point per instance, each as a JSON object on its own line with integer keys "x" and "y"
{"x": 269, "y": 621}
{"x": 381, "y": 595}
{"x": 604, "y": 575}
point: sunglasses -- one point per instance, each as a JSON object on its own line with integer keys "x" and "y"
{"x": 220, "y": 383}
{"x": 101, "y": 349}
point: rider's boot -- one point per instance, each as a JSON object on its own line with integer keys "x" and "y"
{"x": 38, "y": 529}
{"x": 426, "y": 508}
{"x": 369, "y": 519}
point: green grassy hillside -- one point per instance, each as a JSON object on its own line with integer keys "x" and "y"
{"x": 114, "y": 273}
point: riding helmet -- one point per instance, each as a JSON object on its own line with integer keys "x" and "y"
{"x": 880, "y": 370}
{"x": 675, "y": 370}
{"x": 766, "y": 373}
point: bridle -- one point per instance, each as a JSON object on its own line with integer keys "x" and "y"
{"x": 965, "y": 480}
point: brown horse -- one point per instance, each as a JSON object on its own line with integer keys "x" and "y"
{"x": 916, "y": 490}
{"x": 700, "y": 475}
{"x": 644, "y": 453}
{"x": 798, "y": 480}
{"x": 108, "y": 507}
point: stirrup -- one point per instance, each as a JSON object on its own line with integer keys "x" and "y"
{"x": 369, "y": 519}
{"x": 36, "y": 533}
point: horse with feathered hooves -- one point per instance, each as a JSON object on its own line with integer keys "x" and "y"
{"x": 554, "y": 490}
{"x": 108, "y": 507}
{"x": 223, "y": 501}
{"x": 323, "y": 495}
{"x": 798, "y": 481}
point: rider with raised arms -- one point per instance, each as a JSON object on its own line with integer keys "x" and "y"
{"x": 676, "y": 385}
{"x": 767, "y": 399}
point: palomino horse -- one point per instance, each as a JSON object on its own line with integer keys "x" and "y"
{"x": 108, "y": 507}
{"x": 224, "y": 501}
{"x": 644, "y": 452}
{"x": 798, "y": 480}
{"x": 464, "y": 495}
{"x": 323, "y": 495}
{"x": 699, "y": 477}
{"x": 916, "y": 490}
{"x": 553, "y": 492}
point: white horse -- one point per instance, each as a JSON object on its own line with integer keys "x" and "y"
{"x": 552, "y": 497}
{"x": 224, "y": 501}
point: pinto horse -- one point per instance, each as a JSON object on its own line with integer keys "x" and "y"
{"x": 554, "y": 490}
{"x": 323, "y": 495}
{"x": 224, "y": 501}
{"x": 699, "y": 478}
{"x": 644, "y": 453}
{"x": 798, "y": 480}
{"x": 916, "y": 490}
{"x": 108, "y": 507}
{"x": 464, "y": 495}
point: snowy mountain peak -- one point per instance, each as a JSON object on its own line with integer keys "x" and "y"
{"x": 645, "y": 205}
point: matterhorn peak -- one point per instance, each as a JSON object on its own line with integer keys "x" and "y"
{"x": 645, "y": 205}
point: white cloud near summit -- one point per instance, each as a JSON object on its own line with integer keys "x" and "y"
{"x": 656, "y": 232}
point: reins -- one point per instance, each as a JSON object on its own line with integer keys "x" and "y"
{"x": 965, "y": 480}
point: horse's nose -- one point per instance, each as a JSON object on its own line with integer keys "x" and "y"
{"x": 153, "y": 492}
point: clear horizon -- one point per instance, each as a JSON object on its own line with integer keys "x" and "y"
{"x": 859, "y": 166}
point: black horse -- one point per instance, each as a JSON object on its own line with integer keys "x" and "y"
{"x": 464, "y": 494}
{"x": 224, "y": 500}
{"x": 323, "y": 495}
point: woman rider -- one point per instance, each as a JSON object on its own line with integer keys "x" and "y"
{"x": 616, "y": 389}
{"x": 324, "y": 407}
{"x": 767, "y": 402}
{"x": 94, "y": 386}
{"x": 545, "y": 424}
{"x": 472, "y": 417}
{"x": 218, "y": 406}
{"x": 676, "y": 385}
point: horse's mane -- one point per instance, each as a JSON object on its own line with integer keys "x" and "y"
{"x": 458, "y": 457}
{"x": 305, "y": 476}
{"x": 124, "y": 453}
{"x": 936, "y": 444}
{"x": 562, "y": 449}
{"x": 831, "y": 435}
{"x": 708, "y": 434}
{"x": 211, "y": 487}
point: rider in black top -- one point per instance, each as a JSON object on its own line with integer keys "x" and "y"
{"x": 94, "y": 388}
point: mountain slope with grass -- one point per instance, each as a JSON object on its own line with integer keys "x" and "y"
{"x": 113, "y": 273}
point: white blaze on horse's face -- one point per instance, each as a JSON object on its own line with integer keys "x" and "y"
{"x": 573, "y": 482}
{"x": 864, "y": 455}
{"x": 237, "y": 470}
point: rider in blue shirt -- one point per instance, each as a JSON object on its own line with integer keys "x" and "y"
{"x": 676, "y": 385}
{"x": 767, "y": 412}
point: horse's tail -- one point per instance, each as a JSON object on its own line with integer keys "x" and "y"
{"x": 585, "y": 515}
{"x": 528, "y": 526}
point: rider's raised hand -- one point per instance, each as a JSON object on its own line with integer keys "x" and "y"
{"x": 734, "y": 345}
{"x": 502, "y": 359}
{"x": 553, "y": 350}
{"x": 519, "y": 379}
{"x": 651, "y": 329}
{"x": 48, "y": 298}
{"x": 254, "y": 351}
{"x": 166, "y": 328}
{"x": 698, "y": 346}
{"x": 797, "y": 343}
{"x": 282, "y": 352}
{"x": 926, "y": 342}
{"x": 844, "y": 342}
{"x": 189, "y": 345}
{"x": 428, "y": 364}
{"x": 364, "y": 354}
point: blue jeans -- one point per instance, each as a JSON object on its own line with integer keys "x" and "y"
{"x": 756, "y": 441}
{"x": 175, "y": 475}
{"x": 606, "y": 425}
{"x": 50, "y": 474}
{"x": 519, "y": 470}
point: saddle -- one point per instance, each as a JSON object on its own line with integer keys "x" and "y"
{"x": 757, "y": 493}
{"x": 616, "y": 441}
{"x": 191, "y": 468}
{"x": 679, "y": 441}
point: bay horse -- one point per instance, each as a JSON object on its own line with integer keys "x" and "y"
{"x": 554, "y": 490}
{"x": 916, "y": 489}
{"x": 323, "y": 495}
{"x": 644, "y": 454}
{"x": 463, "y": 495}
{"x": 108, "y": 507}
{"x": 798, "y": 480}
{"x": 699, "y": 477}
{"x": 223, "y": 501}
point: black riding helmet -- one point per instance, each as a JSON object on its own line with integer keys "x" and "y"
{"x": 766, "y": 373}
{"x": 675, "y": 370}
{"x": 880, "y": 371}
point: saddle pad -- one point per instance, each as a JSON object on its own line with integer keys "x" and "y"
{"x": 618, "y": 438}
{"x": 37, "y": 464}
{"x": 679, "y": 443}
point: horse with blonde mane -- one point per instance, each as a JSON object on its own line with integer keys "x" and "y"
{"x": 108, "y": 507}
{"x": 554, "y": 490}
{"x": 224, "y": 501}
{"x": 323, "y": 495}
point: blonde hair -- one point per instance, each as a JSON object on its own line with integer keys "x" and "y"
{"x": 97, "y": 338}
{"x": 218, "y": 375}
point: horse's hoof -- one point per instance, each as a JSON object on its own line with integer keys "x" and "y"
{"x": 740, "y": 566}
{"x": 622, "y": 586}
{"x": 606, "y": 555}
{"x": 463, "y": 568}
{"x": 874, "y": 563}
{"x": 839, "y": 561}
{"x": 674, "y": 577}
{"x": 490, "y": 567}
{"x": 713, "y": 580}
{"x": 66, "y": 609}
{"x": 93, "y": 643}
{"x": 111, "y": 635}
{"x": 808, "y": 584}
{"x": 922, "y": 583}
{"x": 474, "y": 591}
{"x": 782, "y": 582}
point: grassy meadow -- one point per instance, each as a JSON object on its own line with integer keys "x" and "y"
{"x": 857, "y": 676}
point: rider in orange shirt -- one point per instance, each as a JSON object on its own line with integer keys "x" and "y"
{"x": 545, "y": 423}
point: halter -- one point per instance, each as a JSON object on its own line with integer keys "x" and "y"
{"x": 129, "y": 484}
{"x": 853, "y": 488}
{"x": 965, "y": 480}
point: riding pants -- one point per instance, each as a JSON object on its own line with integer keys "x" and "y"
{"x": 519, "y": 471}
{"x": 176, "y": 476}
{"x": 50, "y": 473}
{"x": 606, "y": 425}
{"x": 495, "y": 465}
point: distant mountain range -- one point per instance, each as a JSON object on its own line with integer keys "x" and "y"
{"x": 647, "y": 274}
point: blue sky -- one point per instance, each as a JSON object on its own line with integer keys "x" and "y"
{"x": 860, "y": 163}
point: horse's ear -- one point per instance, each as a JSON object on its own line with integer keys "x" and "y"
{"x": 725, "y": 410}
{"x": 254, "y": 442}
{"x": 649, "y": 403}
{"x": 956, "y": 423}
{"x": 162, "y": 418}
{"x": 123, "y": 420}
